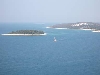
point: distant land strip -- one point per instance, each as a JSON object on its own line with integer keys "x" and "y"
{"x": 26, "y": 32}
{"x": 94, "y": 27}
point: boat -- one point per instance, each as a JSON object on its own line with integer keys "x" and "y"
{"x": 55, "y": 39}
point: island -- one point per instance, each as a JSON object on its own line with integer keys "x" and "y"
{"x": 26, "y": 32}
{"x": 95, "y": 27}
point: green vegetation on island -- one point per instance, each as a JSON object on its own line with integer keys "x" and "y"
{"x": 26, "y": 32}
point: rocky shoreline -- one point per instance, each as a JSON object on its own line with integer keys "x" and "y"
{"x": 95, "y": 27}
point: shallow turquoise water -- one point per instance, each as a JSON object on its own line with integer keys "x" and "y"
{"x": 76, "y": 52}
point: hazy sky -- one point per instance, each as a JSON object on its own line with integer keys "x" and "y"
{"x": 49, "y": 11}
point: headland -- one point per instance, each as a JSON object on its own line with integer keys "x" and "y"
{"x": 94, "y": 27}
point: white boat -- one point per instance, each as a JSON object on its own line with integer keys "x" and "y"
{"x": 55, "y": 39}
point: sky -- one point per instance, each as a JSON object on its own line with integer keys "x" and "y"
{"x": 50, "y": 11}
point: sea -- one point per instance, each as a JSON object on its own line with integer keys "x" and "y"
{"x": 76, "y": 52}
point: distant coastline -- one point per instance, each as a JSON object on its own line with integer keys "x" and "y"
{"x": 94, "y": 27}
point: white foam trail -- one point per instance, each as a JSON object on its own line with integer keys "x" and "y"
{"x": 86, "y": 29}
{"x": 61, "y": 28}
{"x": 95, "y": 31}
{"x": 48, "y": 27}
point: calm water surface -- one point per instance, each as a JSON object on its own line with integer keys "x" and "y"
{"x": 76, "y": 52}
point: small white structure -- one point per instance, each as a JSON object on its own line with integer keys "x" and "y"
{"x": 55, "y": 39}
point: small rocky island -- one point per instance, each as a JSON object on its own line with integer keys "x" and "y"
{"x": 26, "y": 32}
{"x": 95, "y": 27}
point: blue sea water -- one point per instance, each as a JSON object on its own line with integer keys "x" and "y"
{"x": 76, "y": 52}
